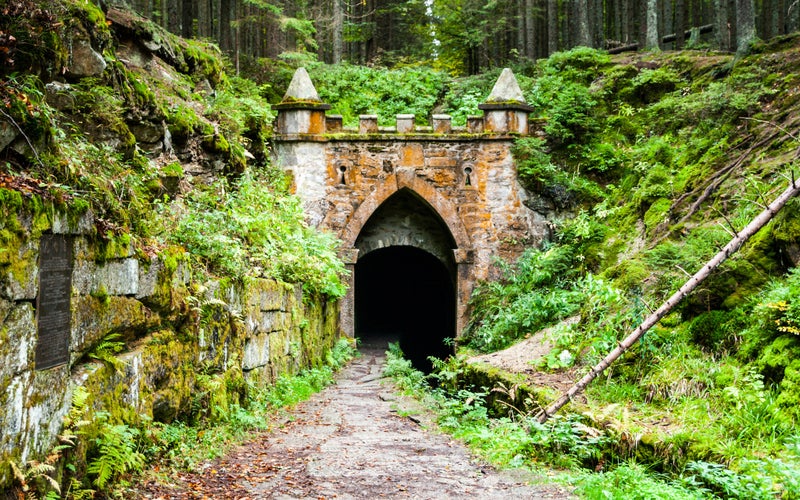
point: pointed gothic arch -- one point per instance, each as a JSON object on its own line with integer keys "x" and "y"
{"x": 406, "y": 179}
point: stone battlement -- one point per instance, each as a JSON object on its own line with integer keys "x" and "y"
{"x": 302, "y": 116}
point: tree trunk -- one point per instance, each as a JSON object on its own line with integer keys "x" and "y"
{"x": 781, "y": 21}
{"x": 651, "y": 39}
{"x": 745, "y": 26}
{"x": 615, "y": 15}
{"x": 764, "y": 27}
{"x": 582, "y": 36}
{"x": 521, "y": 18}
{"x": 530, "y": 33}
{"x": 598, "y": 26}
{"x": 792, "y": 15}
{"x": 552, "y": 26}
{"x": 752, "y": 228}
{"x": 722, "y": 34}
{"x": 338, "y": 27}
{"x": 680, "y": 24}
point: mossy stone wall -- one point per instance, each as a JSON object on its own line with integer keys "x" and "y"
{"x": 145, "y": 335}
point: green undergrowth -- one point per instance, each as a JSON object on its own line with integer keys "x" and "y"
{"x": 356, "y": 90}
{"x": 115, "y": 145}
{"x": 587, "y": 457}
{"x": 649, "y": 166}
{"x": 183, "y": 446}
{"x": 252, "y": 226}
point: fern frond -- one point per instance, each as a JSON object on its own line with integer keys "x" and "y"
{"x": 37, "y": 468}
{"x": 18, "y": 474}
{"x": 53, "y": 483}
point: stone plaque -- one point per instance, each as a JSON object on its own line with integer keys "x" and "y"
{"x": 53, "y": 302}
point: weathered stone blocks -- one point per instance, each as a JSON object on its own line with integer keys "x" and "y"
{"x": 260, "y": 329}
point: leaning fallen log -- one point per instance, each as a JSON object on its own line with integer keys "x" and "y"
{"x": 752, "y": 228}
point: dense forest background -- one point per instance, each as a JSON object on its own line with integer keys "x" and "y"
{"x": 465, "y": 36}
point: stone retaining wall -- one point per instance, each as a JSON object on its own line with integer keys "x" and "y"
{"x": 171, "y": 331}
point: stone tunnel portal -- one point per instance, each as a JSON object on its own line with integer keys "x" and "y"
{"x": 405, "y": 279}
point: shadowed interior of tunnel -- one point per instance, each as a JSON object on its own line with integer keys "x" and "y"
{"x": 407, "y": 295}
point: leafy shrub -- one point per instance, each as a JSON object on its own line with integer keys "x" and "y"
{"x": 726, "y": 483}
{"x": 355, "y": 90}
{"x": 655, "y": 183}
{"x": 632, "y": 481}
{"x": 777, "y": 356}
{"x": 606, "y": 316}
{"x": 603, "y": 158}
{"x": 566, "y": 441}
{"x": 789, "y": 396}
{"x": 257, "y": 229}
{"x": 539, "y": 174}
{"x": 568, "y": 108}
{"x": 775, "y": 318}
{"x": 402, "y": 370}
{"x": 581, "y": 64}
{"x": 463, "y": 95}
{"x": 532, "y": 294}
{"x": 651, "y": 84}
{"x": 239, "y": 107}
{"x": 116, "y": 452}
{"x": 709, "y": 330}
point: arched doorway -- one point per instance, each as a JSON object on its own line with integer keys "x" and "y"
{"x": 405, "y": 279}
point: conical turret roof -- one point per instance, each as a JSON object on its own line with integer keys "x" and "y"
{"x": 506, "y": 89}
{"x": 506, "y": 94}
{"x": 301, "y": 88}
{"x": 301, "y": 94}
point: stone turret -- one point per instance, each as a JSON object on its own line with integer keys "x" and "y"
{"x": 301, "y": 111}
{"x": 506, "y": 111}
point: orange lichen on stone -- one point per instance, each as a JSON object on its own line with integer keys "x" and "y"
{"x": 442, "y": 161}
{"x": 411, "y": 155}
{"x": 316, "y": 124}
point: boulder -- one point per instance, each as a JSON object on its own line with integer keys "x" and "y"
{"x": 84, "y": 60}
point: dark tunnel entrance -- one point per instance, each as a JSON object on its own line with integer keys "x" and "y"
{"x": 407, "y": 295}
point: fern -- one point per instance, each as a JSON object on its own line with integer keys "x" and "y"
{"x": 107, "y": 349}
{"x": 118, "y": 454}
{"x": 33, "y": 472}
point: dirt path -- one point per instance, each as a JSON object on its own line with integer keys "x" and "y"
{"x": 350, "y": 441}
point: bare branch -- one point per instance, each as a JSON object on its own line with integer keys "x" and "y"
{"x": 22, "y": 132}
{"x": 782, "y": 129}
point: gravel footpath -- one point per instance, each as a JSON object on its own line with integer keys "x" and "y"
{"x": 351, "y": 441}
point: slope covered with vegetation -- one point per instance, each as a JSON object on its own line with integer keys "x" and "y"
{"x": 92, "y": 143}
{"x": 145, "y": 144}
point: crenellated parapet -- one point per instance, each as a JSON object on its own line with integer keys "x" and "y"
{"x": 303, "y": 116}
